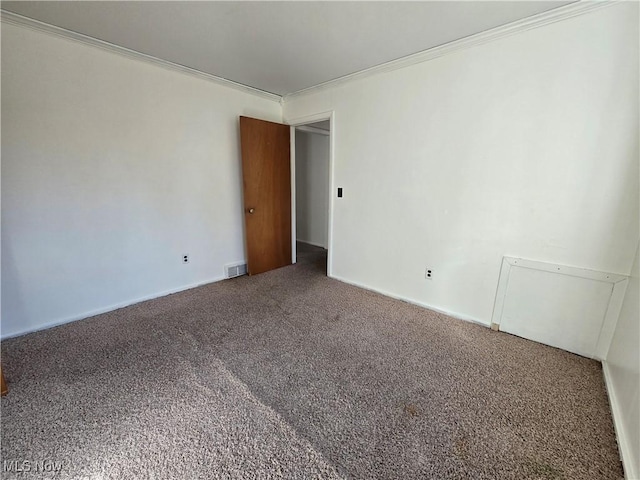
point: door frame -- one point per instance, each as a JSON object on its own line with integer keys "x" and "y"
{"x": 299, "y": 122}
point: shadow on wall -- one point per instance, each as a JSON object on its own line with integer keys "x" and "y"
{"x": 627, "y": 198}
{"x": 12, "y": 298}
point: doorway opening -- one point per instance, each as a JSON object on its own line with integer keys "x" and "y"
{"x": 311, "y": 181}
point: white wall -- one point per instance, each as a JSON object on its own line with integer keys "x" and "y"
{"x": 526, "y": 146}
{"x": 312, "y": 188}
{"x": 622, "y": 370}
{"x": 112, "y": 169}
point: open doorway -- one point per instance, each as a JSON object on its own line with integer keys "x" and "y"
{"x": 311, "y": 175}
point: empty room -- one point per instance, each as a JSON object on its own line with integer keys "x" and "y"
{"x": 391, "y": 240}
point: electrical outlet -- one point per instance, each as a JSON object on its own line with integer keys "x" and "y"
{"x": 185, "y": 258}
{"x": 428, "y": 274}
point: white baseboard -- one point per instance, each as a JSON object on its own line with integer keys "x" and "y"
{"x": 621, "y": 435}
{"x": 110, "y": 308}
{"x": 449, "y": 313}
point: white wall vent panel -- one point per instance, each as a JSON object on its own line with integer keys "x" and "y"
{"x": 232, "y": 271}
{"x": 566, "y": 307}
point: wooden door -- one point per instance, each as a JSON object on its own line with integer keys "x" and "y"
{"x": 266, "y": 179}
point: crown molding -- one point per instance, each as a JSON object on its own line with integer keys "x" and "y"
{"x": 20, "y": 20}
{"x": 545, "y": 18}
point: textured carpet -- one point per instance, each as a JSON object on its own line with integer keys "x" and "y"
{"x": 290, "y": 374}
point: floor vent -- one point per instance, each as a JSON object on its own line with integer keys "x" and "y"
{"x": 236, "y": 270}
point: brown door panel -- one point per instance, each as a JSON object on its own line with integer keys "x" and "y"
{"x": 266, "y": 178}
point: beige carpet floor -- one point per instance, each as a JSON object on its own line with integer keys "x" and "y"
{"x": 291, "y": 374}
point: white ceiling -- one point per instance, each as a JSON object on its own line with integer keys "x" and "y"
{"x": 279, "y": 47}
